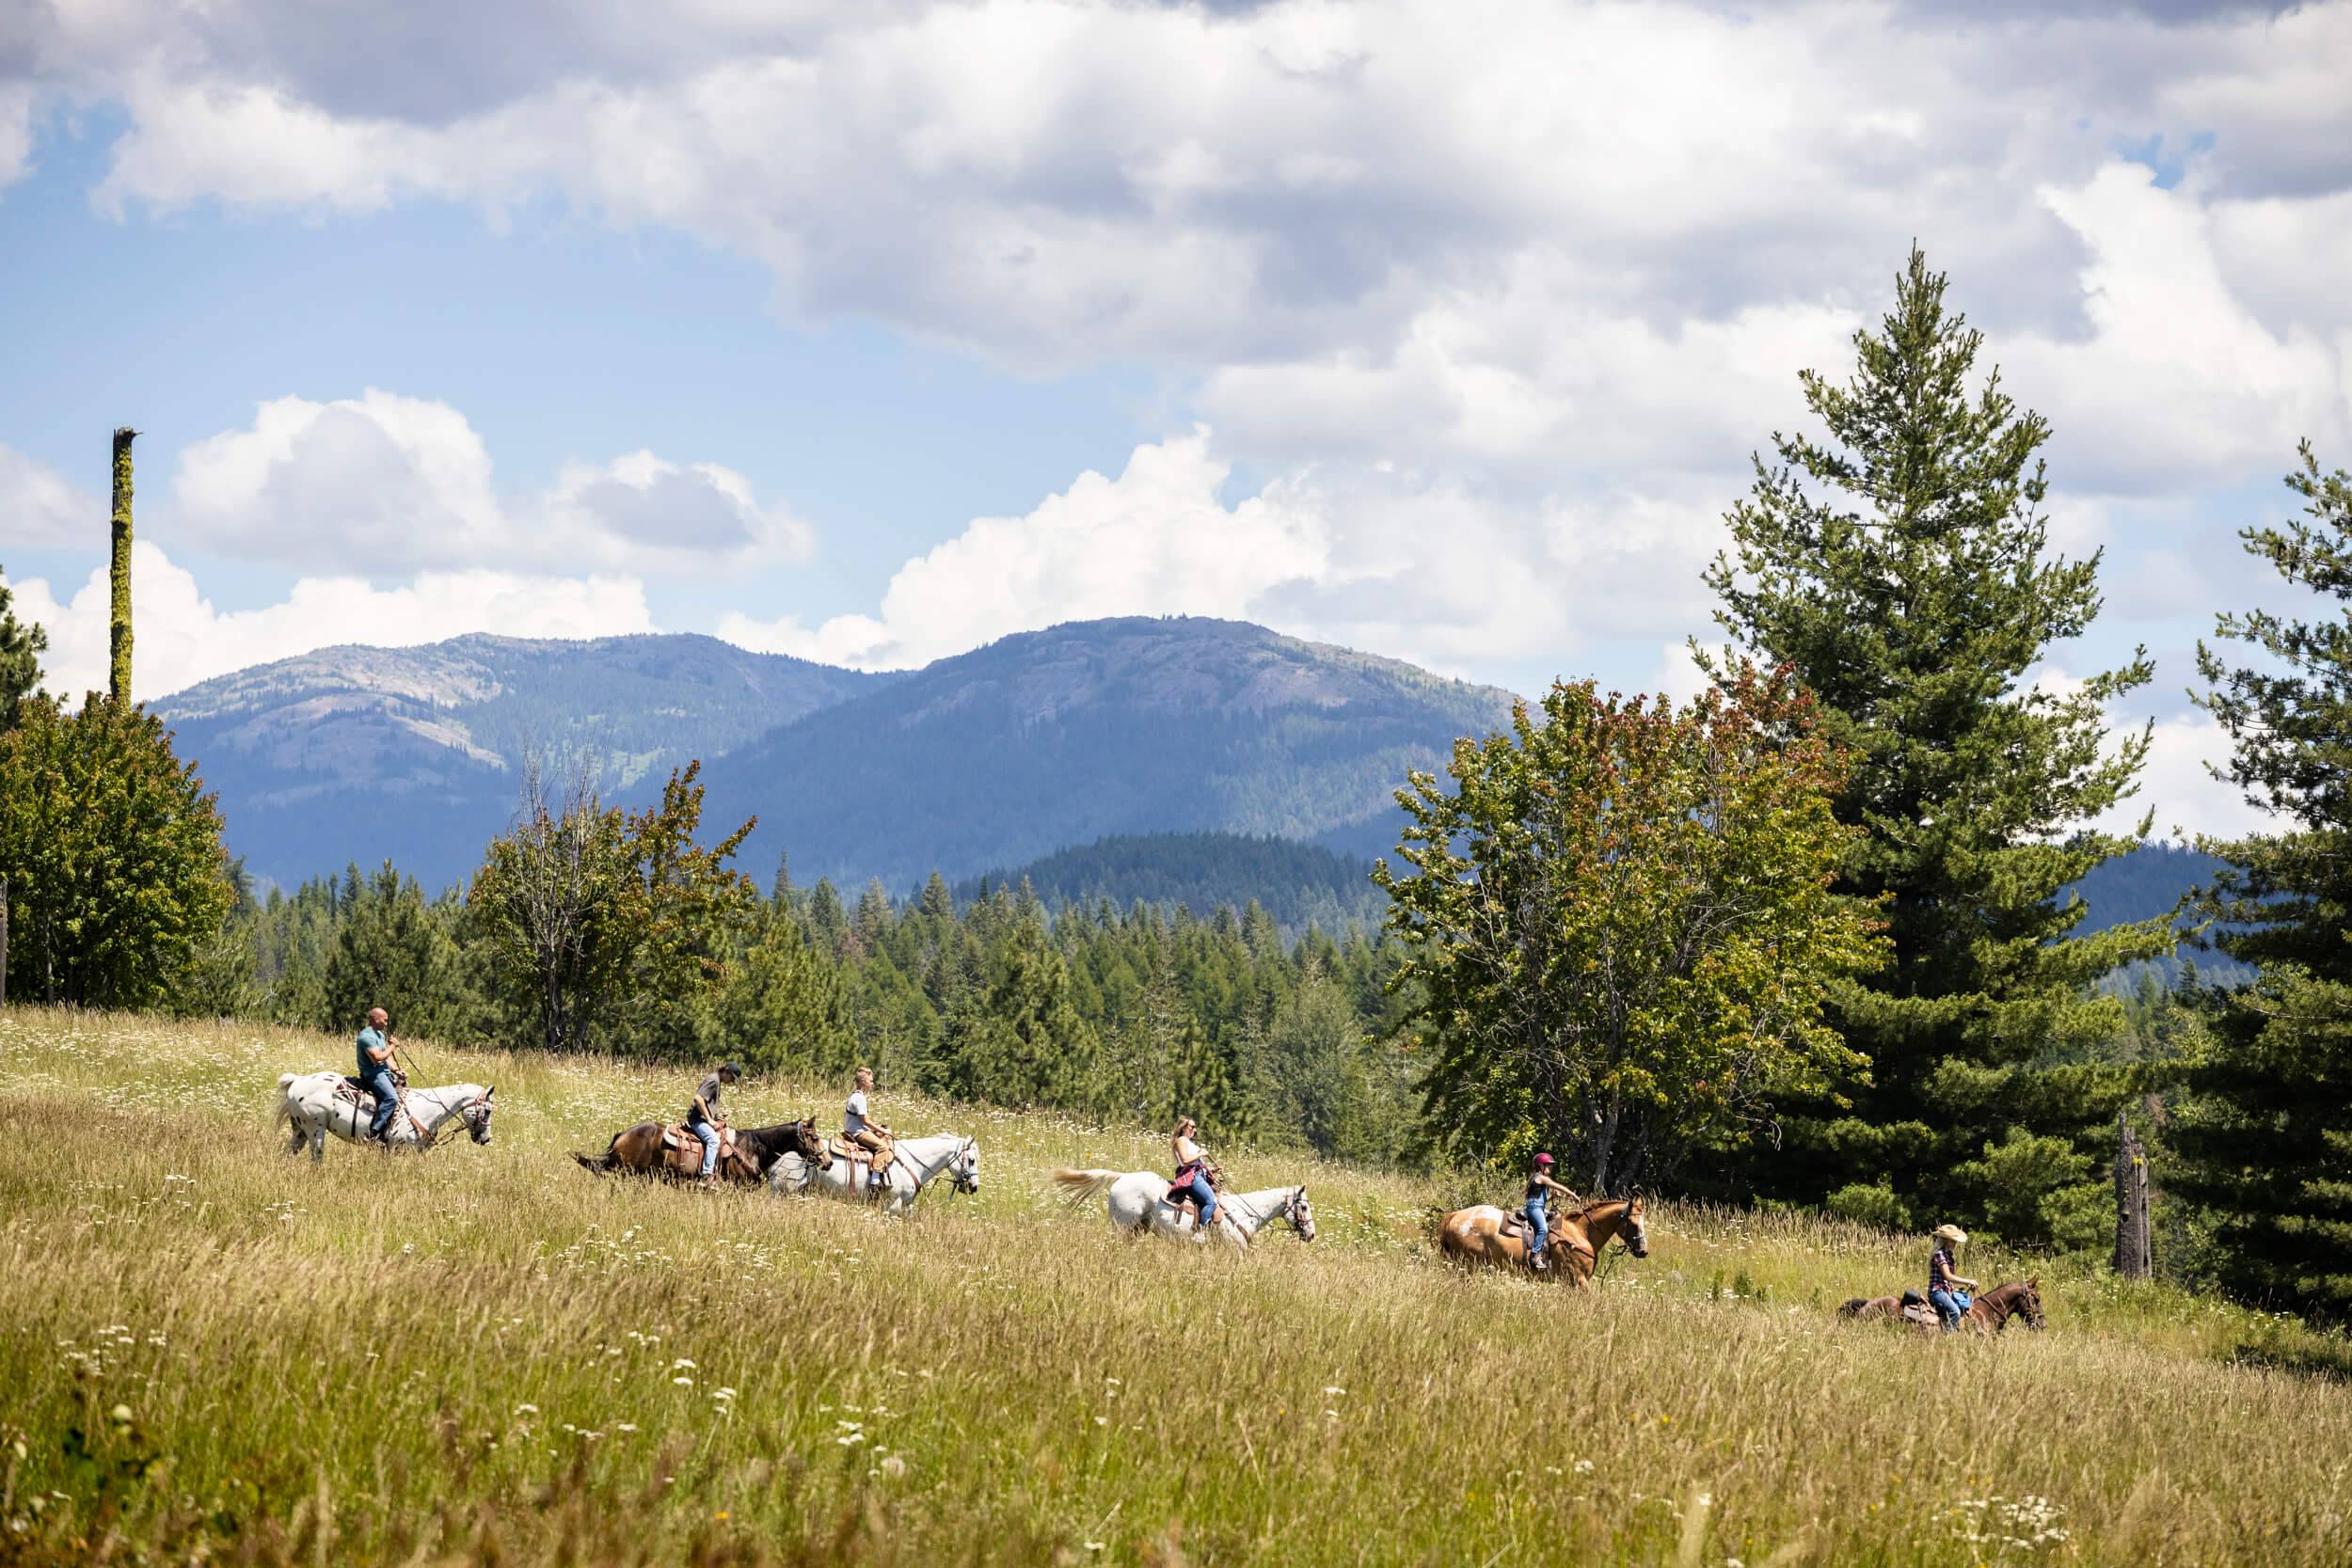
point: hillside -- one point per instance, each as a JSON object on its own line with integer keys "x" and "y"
{"x": 360, "y": 753}
{"x": 489, "y": 1354}
{"x": 1299, "y": 884}
{"x": 1063, "y": 737}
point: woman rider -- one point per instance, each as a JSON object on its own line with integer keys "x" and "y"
{"x": 1192, "y": 1175}
{"x": 1944, "y": 1285}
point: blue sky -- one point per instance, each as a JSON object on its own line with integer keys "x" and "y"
{"x": 871, "y": 334}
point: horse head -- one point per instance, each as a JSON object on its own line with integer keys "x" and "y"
{"x": 476, "y": 1115}
{"x": 964, "y": 1169}
{"x": 809, "y": 1144}
{"x": 1300, "y": 1214}
{"x": 1635, "y": 1230}
{"x": 2030, "y": 1303}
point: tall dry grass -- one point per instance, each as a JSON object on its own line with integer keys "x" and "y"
{"x": 489, "y": 1354}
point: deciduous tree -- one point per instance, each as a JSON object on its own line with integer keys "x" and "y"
{"x": 1619, "y": 930}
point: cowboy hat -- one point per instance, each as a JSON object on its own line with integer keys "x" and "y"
{"x": 1950, "y": 1232}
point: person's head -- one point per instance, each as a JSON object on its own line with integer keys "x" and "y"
{"x": 377, "y": 1018}
{"x": 1186, "y": 1127}
{"x": 1543, "y": 1164}
{"x": 729, "y": 1073}
{"x": 866, "y": 1078}
{"x": 1949, "y": 1238}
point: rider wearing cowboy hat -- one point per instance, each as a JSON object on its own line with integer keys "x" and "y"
{"x": 1944, "y": 1286}
{"x": 1540, "y": 1186}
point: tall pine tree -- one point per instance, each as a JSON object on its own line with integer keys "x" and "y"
{"x": 2268, "y": 1133}
{"x": 1902, "y": 568}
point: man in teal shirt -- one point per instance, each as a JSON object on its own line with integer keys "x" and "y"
{"x": 375, "y": 1073}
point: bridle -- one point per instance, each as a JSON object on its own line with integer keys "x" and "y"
{"x": 477, "y": 1127}
{"x": 1301, "y": 1215}
{"x": 959, "y": 1179}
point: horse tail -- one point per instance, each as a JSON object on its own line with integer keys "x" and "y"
{"x": 1852, "y": 1307}
{"x": 285, "y": 1100}
{"x": 600, "y": 1166}
{"x": 1084, "y": 1183}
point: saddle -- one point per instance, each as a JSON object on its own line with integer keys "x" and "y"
{"x": 1179, "y": 1194}
{"x": 862, "y": 1159}
{"x": 352, "y": 1091}
{"x": 676, "y": 1136}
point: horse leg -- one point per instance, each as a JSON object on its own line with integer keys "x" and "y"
{"x": 318, "y": 1142}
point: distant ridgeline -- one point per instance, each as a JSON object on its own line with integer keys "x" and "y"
{"x": 992, "y": 758}
{"x": 1299, "y": 884}
{"x": 2142, "y": 885}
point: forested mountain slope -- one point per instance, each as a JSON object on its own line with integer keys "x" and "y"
{"x": 1299, "y": 884}
{"x": 1063, "y": 737}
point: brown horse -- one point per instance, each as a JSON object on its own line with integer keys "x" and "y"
{"x": 639, "y": 1151}
{"x": 1476, "y": 1237}
{"x": 1988, "y": 1314}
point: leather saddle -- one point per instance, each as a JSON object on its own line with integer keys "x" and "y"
{"x": 352, "y": 1091}
{"x": 861, "y": 1158}
{"x": 675, "y": 1136}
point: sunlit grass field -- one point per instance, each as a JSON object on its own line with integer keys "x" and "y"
{"x": 489, "y": 1354}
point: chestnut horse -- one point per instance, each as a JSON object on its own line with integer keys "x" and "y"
{"x": 638, "y": 1151}
{"x": 1988, "y": 1314}
{"x": 1475, "y": 1238}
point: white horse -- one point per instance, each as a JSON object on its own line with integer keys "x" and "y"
{"x": 1139, "y": 1202}
{"x": 312, "y": 1103}
{"x": 914, "y": 1163}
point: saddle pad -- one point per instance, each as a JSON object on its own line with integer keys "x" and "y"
{"x": 349, "y": 1091}
{"x": 844, "y": 1150}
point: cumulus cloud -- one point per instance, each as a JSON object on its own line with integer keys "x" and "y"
{"x": 39, "y": 510}
{"x": 1370, "y": 556}
{"x": 385, "y": 484}
{"x": 180, "y": 637}
{"x": 1155, "y": 540}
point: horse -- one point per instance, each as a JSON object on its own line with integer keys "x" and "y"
{"x": 1138, "y": 1202}
{"x": 317, "y": 1103}
{"x": 1475, "y": 1238}
{"x": 638, "y": 1151}
{"x": 913, "y": 1164}
{"x": 1988, "y": 1314}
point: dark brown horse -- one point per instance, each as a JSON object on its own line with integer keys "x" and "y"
{"x": 1988, "y": 1314}
{"x": 1478, "y": 1237}
{"x": 641, "y": 1150}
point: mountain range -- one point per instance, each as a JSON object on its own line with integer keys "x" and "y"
{"x": 990, "y": 758}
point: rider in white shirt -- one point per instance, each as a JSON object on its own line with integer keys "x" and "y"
{"x": 859, "y": 1126}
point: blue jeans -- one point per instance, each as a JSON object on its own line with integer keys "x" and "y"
{"x": 1539, "y": 1228}
{"x": 378, "y": 1082}
{"x": 710, "y": 1135}
{"x": 1205, "y": 1195}
{"x": 1946, "y": 1308}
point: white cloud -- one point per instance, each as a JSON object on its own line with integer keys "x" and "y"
{"x": 2185, "y": 797}
{"x": 180, "y": 637}
{"x": 1156, "y": 540}
{"x": 1365, "y": 555}
{"x": 386, "y": 485}
{"x": 39, "y": 510}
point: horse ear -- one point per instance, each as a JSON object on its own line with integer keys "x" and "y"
{"x": 2033, "y": 1282}
{"x": 488, "y": 1092}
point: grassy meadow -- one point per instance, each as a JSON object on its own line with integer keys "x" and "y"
{"x": 213, "y": 1352}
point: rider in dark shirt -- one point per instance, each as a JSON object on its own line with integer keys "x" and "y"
{"x": 704, "y": 1117}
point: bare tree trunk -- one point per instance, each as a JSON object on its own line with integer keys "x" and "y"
{"x": 4, "y": 942}
{"x": 1605, "y": 1146}
{"x": 119, "y": 617}
{"x": 2132, "y": 1249}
